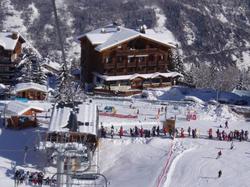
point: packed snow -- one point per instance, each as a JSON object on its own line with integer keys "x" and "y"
{"x": 138, "y": 161}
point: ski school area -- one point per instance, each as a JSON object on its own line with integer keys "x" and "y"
{"x": 138, "y": 148}
{"x": 144, "y": 143}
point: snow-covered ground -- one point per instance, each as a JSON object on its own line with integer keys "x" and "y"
{"x": 135, "y": 162}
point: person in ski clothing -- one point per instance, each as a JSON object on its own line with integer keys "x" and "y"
{"x": 176, "y": 132}
{"x": 193, "y": 133}
{"x": 182, "y": 133}
{"x": 112, "y": 131}
{"x": 131, "y": 132}
{"x": 141, "y": 131}
{"x": 246, "y": 135}
{"x": 103, "y": 132}
{"x": 210, "y": 133}
{"x": 189, "y": 131}
{"x": 232, "y": 145}
{"x": 219, "y": 173}
{"x": 226, "y": 125}
{"x": 158, "y": 130}
{"x": 136, "y": 131}
{"x": 219, "y": 154}
{"x": 164, "y": 131}
{"x": 121, "y": 132}
{"x": 153, "y": 130}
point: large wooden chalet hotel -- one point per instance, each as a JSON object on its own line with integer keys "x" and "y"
{"x": 10, "y": 49}
{"x": 123, "y": 61}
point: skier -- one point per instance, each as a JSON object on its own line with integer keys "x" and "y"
{"x": 176, "y": 132}
{"x": 246, "y": 135}
{"x": 141, "y": 131}
{"x": 158, "y": 130}
{"x": 210, "y": 133}
{"x": 232, "y": 145}
{"x": 121, "y": 132}
{"x": 131, "y": 132}
{"x": 219, "y": 173}
{"x": 153, "y": 130}
{"x": 182, "y": 133}
{"x": 219, "y": 154}
{"x": 226, "y": 125}
{"x": 136, "y": 131}
{"x": 189, "y": 131}
{"x": 112, "y": 131}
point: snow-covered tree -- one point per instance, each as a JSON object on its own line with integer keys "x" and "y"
{"x": 209, "y": 76}
{"x": 30, "y": 70}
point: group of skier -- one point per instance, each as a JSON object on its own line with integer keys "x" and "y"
{"x": 236, "y": 134}
{"x": 157, "y": 131}
{"x": 31, "y": 178}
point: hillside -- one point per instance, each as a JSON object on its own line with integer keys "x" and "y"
{"x": 216, "y": 31}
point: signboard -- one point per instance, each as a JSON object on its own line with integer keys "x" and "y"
{"x": 169, "y": 125}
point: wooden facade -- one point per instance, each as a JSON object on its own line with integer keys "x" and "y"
{"x": 9, "y": 59}
{"x": 32, "y": 94}
{"x": 109, "y": 54}
{"x": 133, "y": 56}
{"x": 27, "y": 119}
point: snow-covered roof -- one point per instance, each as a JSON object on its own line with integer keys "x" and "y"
{"x": 30, "y": 85}
{"x": 2, "y": 86}
{"x": 133, "y": 76}
{"x": 87, "y": 116}
{"x": 16, "y": 108}
{"x": 97, "y": 39}
{"x": 112, "y": 35}
{"x": 7, "y": 41}
{"x": 242, "y": 93}
{"x": 53, "y": 65}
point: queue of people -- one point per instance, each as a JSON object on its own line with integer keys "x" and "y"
{"x": 32, "y": 178}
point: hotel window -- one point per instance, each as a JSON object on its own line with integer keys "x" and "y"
{"x": 151, "y": 57}
{"x": 131, "y": 59}
{"x": 108, "y": 60}
{"x": 119, "y": 59}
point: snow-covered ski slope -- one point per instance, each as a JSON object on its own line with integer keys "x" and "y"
{"x": 139, "y": 161}
{"x": 136, "y": 162}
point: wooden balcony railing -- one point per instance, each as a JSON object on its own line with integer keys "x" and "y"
{"x": 136, "y": 51}
{"x": 152, "y": 63}
{"x": 121, "y": 65}
{"x": 161, "y": 62}
{"x": 109, "y": 66}
{"x": 132, "y": 64}
{"x": 142, "y": 64}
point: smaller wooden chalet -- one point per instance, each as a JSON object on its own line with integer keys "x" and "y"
{"x": 79, "y": 126}
{"x": 10, "y": 50}
{"x": 126, "y": 60}
{"x": 131, "y": 84}
{"x": 20, "y": 115}
{"x": 31, "y": 90}
{"x": 52, "y": 67}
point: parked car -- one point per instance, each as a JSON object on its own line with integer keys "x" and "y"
{"x": 109, "y": 109}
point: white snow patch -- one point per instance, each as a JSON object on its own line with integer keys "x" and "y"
{"x": 35, "y": 14}
{"x": 13, "y": 19}
{"x": 190, "y": 35}
{"x": 222, "y": 18}
{"x": 244, "y": 63}
{"x": 161, "y": 25}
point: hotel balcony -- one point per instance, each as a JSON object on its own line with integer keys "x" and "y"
{"x": 109, "y": 66}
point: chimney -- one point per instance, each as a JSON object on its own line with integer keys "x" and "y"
{"x": 14, "y": 35}
{"x": 143, "y": 29}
